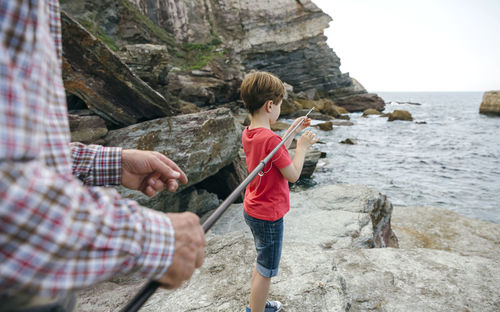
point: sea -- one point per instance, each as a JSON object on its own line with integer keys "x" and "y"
{"x": 448, "y": 157}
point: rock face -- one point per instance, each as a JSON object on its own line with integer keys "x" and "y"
{"x": 244, "y": 35}
{"x": 97, "y": 76}
{"x": 491, "y": 103}
{"x": 148, "y": 61}
{"x": 326, "y": 265}
{"x": 214, "y": 83}
{"x": 265, "y": 34}
{"x": 201, "y": 144}
{"x": 86, "y": 129}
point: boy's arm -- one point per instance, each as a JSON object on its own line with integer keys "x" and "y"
{"x": 292, "y": 171}
{"x": 304, "y": 125}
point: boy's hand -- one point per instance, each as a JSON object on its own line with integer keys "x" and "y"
{"x": 304, "y": 125}
{"x": 306, "y": 140}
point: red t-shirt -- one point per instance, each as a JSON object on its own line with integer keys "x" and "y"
{"x": 266, "y": 197}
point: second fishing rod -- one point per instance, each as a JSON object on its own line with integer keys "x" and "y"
{"x": 143, "y": 295}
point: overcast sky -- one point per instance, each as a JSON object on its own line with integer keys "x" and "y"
{"x": 417, "y": 45}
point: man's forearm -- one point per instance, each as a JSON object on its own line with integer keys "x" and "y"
{"x": 61, "y": 235}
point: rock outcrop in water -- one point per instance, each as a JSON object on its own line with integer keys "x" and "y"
{"x": 399, "y": 114}
{"x": 491, "y": 103}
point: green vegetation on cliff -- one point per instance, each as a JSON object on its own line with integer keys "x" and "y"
{"x": 98, "y": 32}
{"x": 130, "y": 26}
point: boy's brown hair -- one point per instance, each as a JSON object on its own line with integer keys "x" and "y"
{"x": 260, "y": 87}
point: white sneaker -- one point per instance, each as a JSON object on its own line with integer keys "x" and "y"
{"x": 273, "y": 306}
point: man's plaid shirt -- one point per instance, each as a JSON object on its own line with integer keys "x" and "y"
{"x": 58, "y": 233}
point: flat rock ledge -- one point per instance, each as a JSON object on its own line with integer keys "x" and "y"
{"x": 328, "y": 265}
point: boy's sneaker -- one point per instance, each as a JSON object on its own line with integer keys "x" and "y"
{"x": 272, "y": 306}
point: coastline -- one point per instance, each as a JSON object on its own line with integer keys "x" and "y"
{"x": 451, "y": 161}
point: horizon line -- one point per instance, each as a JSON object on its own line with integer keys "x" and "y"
{"x": 429, "y": 91}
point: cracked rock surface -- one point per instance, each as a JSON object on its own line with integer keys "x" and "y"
{"x": 328, "y": 263}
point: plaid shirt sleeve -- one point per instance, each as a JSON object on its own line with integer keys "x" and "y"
{"x": 56, "y": 233}
{"x": 96, "y": 165}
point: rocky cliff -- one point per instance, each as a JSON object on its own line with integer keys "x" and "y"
{"x": 210, "y": 44}
{"x": 284, "y": 37}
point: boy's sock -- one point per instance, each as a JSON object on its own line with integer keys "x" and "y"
{"x": 248, "y": 310}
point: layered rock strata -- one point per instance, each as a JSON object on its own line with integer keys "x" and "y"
{"x": 96, "y": 75}
{"x": 211, "y": 43}
{"x": 284, "y": 37}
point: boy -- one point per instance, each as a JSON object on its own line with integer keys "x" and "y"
{"x": 267, "y": 196}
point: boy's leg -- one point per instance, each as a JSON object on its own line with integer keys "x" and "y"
{"x": 268, "y": 238}
{"x": 259, "y": 291}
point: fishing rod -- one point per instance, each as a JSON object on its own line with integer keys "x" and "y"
{"x": 143, "y": 295}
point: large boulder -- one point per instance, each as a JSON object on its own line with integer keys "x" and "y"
{"x": 325, "y": 126}
{"x": 491, "y": 103}
{"x": 96, "y": 75}
{"x": 399, "y": 115}
{"x": 370, "y": 111}
{"x": 201, "y": 144}
{"x": 361, "y": 102}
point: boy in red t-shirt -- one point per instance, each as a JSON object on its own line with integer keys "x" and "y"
{"x": 267, "y": 196}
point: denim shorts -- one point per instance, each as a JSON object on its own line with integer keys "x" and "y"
{"x": 268, "y": 238}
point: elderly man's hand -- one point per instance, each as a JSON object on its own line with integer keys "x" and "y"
{"x": 150, "y": 172}
{"x": 189, "y": 249}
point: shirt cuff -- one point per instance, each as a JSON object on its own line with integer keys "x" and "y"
{"x": 107, "y": 168}
{"x": 158, "y": 245}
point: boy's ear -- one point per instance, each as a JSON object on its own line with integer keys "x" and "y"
{"x": 268, "y": 105}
